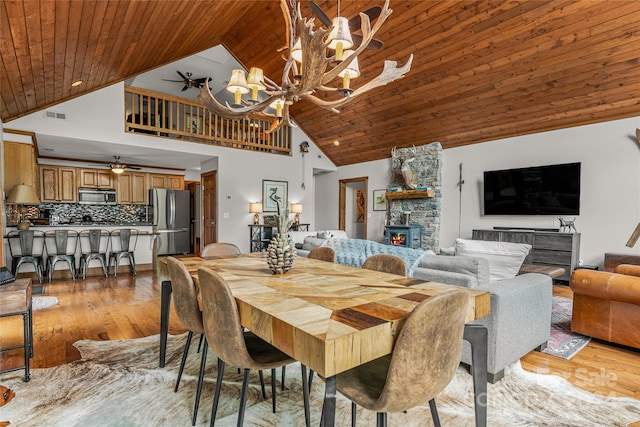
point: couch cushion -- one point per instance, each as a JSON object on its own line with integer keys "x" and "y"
{"x": 298, "y": 236}
{"x": 504, "y": 258}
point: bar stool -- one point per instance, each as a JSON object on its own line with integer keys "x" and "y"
{"x": 93, "y": 246}
{"x": 15, "y": 300}
{"x": 27, "y": 246}
{"x": 61, "y": 246}
{"x": 123, "y": 245}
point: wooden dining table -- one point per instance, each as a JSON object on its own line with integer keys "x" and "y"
{"x": 331, "y": 317}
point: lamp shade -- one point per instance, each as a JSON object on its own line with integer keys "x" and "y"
{"x": 255, "y": 207}
{"x": 340, "y": 36}
{"x": 353, "y": 70}
{"x": 296, "y": 52}
{"x": 23, "y": 195}
{"x": 238, "y": 82}
{"x": 296, "y": 208}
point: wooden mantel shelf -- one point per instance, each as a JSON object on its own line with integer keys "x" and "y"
{"x": 410, "y": 194}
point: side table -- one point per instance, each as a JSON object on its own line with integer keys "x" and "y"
{"x": 15, "y": 300}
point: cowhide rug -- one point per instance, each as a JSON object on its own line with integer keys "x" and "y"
{"x": 118, "y": 383}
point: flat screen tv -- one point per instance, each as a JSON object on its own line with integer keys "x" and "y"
{"x": 538, "y": 190}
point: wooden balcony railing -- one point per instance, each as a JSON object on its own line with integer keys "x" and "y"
{"x": 168, "y": 116}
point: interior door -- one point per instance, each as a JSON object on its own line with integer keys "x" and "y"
{"x": 209, "y": 212}
{"x": 346, "y": 208}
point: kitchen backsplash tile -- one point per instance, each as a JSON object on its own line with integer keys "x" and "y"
{"x": 99, "y": 213}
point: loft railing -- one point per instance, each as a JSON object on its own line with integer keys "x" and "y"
{"x": 168, "y": 116}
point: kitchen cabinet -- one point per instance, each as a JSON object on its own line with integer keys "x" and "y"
{"x": 58, "y": 184}
{"x": 96, "y": 178}
{"x": 132, "y": 188}
{"x": 172, "y": 182}
{"x": 19, "y": 165}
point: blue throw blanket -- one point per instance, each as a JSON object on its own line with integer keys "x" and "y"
{"x": 354, "y": 252}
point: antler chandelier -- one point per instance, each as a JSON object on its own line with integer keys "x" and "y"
{"x": 315, "y": 58}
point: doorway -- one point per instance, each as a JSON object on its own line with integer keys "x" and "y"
{"x": 209, "y": 182}
{"x": 353, "y": 203}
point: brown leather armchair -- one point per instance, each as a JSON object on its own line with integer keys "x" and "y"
{"x": 607, "y": 305}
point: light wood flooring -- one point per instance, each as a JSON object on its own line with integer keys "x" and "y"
{"x": 129, "y": 307}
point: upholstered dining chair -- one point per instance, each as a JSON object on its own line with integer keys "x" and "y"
{"x": 232, "y": 344}
{"x": 386, "y": 264}
{"x": 219, "y": 249}
{"x": 423, "y": 362}
{"x": 323, "y": 254}
{"x": 188, "y": 311}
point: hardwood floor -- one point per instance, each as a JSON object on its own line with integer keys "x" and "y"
{"x": 128, "y": 307}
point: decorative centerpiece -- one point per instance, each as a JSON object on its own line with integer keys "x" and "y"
{"x": 281, "y": 252}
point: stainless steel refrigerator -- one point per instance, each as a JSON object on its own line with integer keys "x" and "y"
{"x": 171, "y": 217}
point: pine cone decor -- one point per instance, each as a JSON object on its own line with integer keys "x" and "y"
{"x": 281, "y": 254}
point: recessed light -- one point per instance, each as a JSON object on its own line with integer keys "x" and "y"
{"x": 336, "y": 143}
{"x": 76, "y": 83}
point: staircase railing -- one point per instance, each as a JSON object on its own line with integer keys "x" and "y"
{"x": 168, "y": 116}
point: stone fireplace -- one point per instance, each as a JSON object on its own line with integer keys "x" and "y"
{"x": 424, "y": 203}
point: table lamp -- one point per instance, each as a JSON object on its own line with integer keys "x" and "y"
{"x": 23, "y": 195}
{"x": 296, "y": 208}
{"x": 255, "y": 208}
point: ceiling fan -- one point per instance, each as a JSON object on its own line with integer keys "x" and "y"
{"x": 189, "y": 82}
{"x": 117, "y": 167}
{"x": 354, "y": 23}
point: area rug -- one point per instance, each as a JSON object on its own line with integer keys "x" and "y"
{"x": 118, "y": 383}
{"x": 562, "y": 342}
{"x": 40, "y": 303}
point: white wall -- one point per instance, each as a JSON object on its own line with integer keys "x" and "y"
{"x": 99, "y": 116}
{"x": 610, "y": 185}
{"x": 379, "y": 176}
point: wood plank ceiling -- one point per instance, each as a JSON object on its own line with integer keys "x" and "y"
{"x": 482, "y": 70}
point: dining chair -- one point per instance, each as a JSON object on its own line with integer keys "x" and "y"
{"x": 27, "y": 246}
{"x": 123, "y": 246}
{"x": 386, "y": 264}
{"x": 323, "y": 254}
{"x": 219, "y": 248}
{"x": 423, "y": 361}
{"x": 186, "y": 303}
{"x": 93, "y": 246}
{"x": 61, "y": 245}
{"x": 232, "y": 344}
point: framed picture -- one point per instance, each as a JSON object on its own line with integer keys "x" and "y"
{"x": 274, "y": 193}
{"x": 379, "y": 200}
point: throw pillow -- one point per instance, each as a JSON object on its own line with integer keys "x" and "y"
{"x": 504, "y": 258}
{"x": 324, "y": 235}
{"x": 311, "y": 242}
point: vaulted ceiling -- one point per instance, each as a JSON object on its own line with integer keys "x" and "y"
{"x": 482, "y": 70}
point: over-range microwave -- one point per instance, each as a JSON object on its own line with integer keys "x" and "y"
{"x": 96, "y": 196}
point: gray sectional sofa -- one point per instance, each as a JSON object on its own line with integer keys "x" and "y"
{"x": 520, "y": 316}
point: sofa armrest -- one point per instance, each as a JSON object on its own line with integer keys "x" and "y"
{"x": 439, "y": 268}
{"x": 628, "y": 269}
{"x": 520, "y": 317}
{"x": 605, "y": 285}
